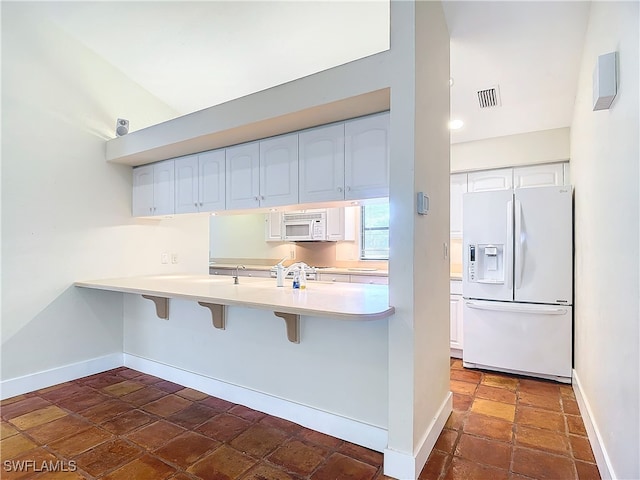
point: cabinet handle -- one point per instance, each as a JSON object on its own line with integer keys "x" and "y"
{"x": 348, "y": 189}
{"x": 200, "y": 203}
{"x": 340, "y": 189}
{"x": 150, "y": 209}
{"x": 196, "y": 204}
{"x": 256, "y": 199}
{"x": 262, "y": 197}
{"x": 154, "y": 209}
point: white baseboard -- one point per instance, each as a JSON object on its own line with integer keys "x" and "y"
{"x": 47, "y": 378}
{"x": 360, "y": 433}
{"x": 408, "y": 467}
{"x": 597, "y": 445}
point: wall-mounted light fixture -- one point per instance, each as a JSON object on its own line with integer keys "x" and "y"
{"x": 605, "y": 81}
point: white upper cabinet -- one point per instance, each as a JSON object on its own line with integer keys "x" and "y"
{"x": 243, "y": 176}
{"x": 567, "y": 173}
{"x": 538, "y": 175}
{"x": 211, "y": 181}
{"x": 321, "y": 164}
{"x": 279, "y": 171}
{"x": 486, "y": 180}
{"x": 273, "y": 227}
{"x": 200, "y": 182}
{"x": 153, "y": 189}
{"x": 367, "y": 157}
{"x": 458, "y": 188}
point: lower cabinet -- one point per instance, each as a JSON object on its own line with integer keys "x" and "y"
{"x": 455, "y": 319}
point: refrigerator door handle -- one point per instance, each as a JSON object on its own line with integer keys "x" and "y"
{"x": 519, "y": 244}
{"x": 509, "y": 247}
{"x": 519, "y": 308}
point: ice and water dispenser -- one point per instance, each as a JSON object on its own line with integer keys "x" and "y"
{"x": 486, "y": 263}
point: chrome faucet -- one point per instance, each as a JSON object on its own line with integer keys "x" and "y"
{"x": 235, "y": 277}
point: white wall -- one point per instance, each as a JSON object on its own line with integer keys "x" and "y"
{"x": 65, "y": 211}
{"x": 544, "y": 146}
{"x": 604, "y": 170}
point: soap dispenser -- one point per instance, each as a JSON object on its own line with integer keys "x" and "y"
{"x": 296, "y": 278}
{"x": 303, "y": 278}
{"x": 279, "y": 275}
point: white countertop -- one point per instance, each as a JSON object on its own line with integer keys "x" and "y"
{"x": 330, "y": 270}
{"x": 346, "y": 301}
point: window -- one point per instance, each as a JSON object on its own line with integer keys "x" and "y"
{"x": 374, "y": 235}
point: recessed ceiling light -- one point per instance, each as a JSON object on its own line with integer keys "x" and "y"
{"x": 213, "y": 214}
{"x": 455, "y": 124}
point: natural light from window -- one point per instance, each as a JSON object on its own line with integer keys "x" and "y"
{"x": 374, "y": 235}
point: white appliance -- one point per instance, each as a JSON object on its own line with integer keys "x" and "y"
{"x": 518, "y": 281}
{"x": 305, "y": 226}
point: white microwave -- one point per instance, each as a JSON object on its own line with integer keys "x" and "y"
{"x": 304, "y": 227}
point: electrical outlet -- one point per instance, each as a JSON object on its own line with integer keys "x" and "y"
{"x": 174, "y": 258}
{"x": 292, "y": 253}
{"x": 164, "y": 258}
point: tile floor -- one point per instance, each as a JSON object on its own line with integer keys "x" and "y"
{"x": 123, "y": 424}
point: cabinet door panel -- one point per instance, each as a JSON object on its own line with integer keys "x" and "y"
{"x": 279, "y": 171}
{"x": 458, "y": 188}
{"x": 367, "y": 157}
{"x": 211, "y": 181}
{"x": 499, "y": 179}
{"x": 321, "y": 163}
{"x": 273, "y": 227}
{"x": 142, "y": 204}
{"x": 242, "y": 176}
{"x": 163, "y": 188}
{"x": 538, "y": 176}
{"x": 186, "y": 188}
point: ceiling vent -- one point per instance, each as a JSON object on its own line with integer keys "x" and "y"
{"x": 489, "y": 97}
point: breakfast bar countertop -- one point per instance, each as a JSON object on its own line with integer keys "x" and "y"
{"x": 322, "y": 299}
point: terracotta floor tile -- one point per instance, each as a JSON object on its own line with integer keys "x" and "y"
{"x": 127, "y": 422}
{"x": 17, "y": 398}
{"x": 489, "y": 427}
{"x": 38, "y": 417}
{"x": 224, "y": 427}
{"x": 465, "y": 375}
{"x": 80, "y": 442}
{"x": 541, "y": 465}
{"x": 455, "y": 420}
{"x": 7, "y": 430}
{"x": 247, "y": 413}
{"x": 496, "y": 394}
{"x": 155, "y": 435}
{"x": 259, "y": 440}
{"x": 282, "y": 424}
{"x": 461, "y": 469}
{"x": 102, "y": 380}
{"x": 191, "y": 394}
{"x": 311, "y": 436}
{"x": 129, "y": 373}
{"x": 464, "y": 388}
{"x": 456, "y": 363}
{"x": 298, "y": 457}
{"x": 570, "y": 406}
{"x": 15, "y": 445}
{"x": 25, "y": 405}
{"x": 107, "y": 456}
{"x": 576, "y": 425}
{"x": 143, "y": 468}
{"x": 167, "y": 405}
{"x": 581, "y": 448}
{"x": 192, "y": 416}
{"x": 462, "y": 403}
{"x": 567, "y": 390}
{"x": 541, "y": 439}
{"x": 343, "y": 467}
{"x": 19, "y": 469}
{"x": 587, "y": 471}
{"x": 494, "y": 409}
{"x": 65, "y": 392}
{"x": 217, "y": 404}
{"x": 435, "y": 466}
{"x": 148, "y": 379}
{"x": 106, "y": 411}
{"x": 446, "y": 441}
{"x": 123, "y": 388}
{"x": 263, "y": 471}
{"x": 483, "y": 451}
{"x": 61, "y": 428}
{"x": 500, "y": 381}
{"x": 547, "y": 401}
{"x": 143, "y": 396}
{"x": 186, "y": 449}
{"x": 361, "y": 453}
{"x": 539, "y": 387}
{"x": 540, "y": 418}
{"x": 167, "y": 386}
{"x": 224, "y": 463}
{"x": 77, "y": 403}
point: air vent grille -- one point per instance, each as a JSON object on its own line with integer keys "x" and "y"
{"x": 489, "y": 97}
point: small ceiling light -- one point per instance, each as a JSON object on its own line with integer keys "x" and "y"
{"x": 213, "y": 214}
{"x": 455, "y": 124}
{"x": 354, "y": 203}
{"x": 273, "y": 209}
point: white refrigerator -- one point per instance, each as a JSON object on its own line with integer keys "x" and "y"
{"x": 517, "y": 281}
